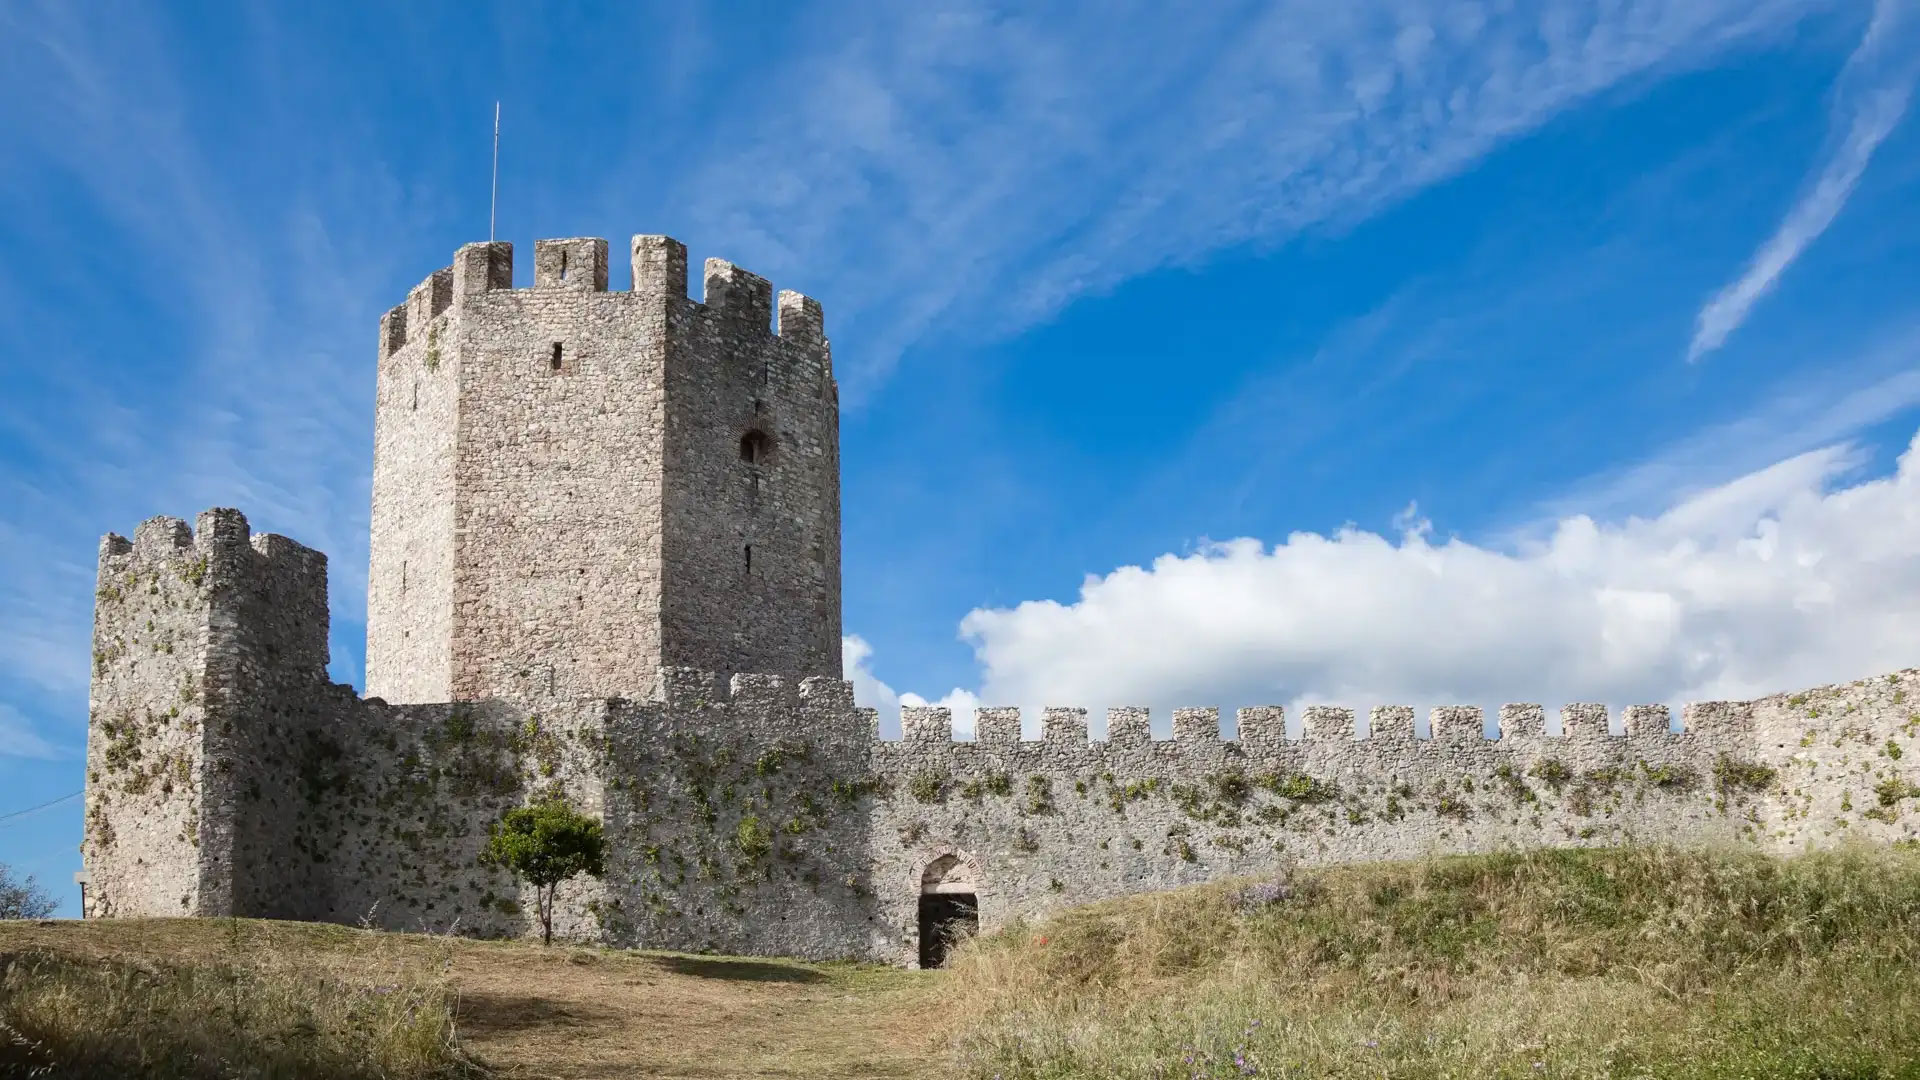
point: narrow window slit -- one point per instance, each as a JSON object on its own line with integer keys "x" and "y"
{"x": 563, "y": 264}
{"x": 749, "y": 553}
{"x": 555, "y": 360}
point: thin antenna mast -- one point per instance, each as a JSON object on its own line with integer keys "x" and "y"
{"x": 493, "y": 204}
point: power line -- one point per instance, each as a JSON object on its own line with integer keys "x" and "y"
{"x": 42, "y": 806}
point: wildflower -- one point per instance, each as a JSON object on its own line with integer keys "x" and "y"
{"x": 1264, "y": 894}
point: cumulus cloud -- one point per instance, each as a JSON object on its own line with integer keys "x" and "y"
{"x": 868, "y": 690}
{"x": 1782, "y": 578}
{"x": 1869, "y": 101}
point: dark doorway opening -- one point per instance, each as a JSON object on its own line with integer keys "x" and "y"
{"x": 945, "y": 918}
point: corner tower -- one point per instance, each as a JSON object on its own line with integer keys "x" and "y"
{"x": 574, "y": 487}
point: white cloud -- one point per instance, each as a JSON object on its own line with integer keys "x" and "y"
{"x": 869, "y": 691}
{"x": 1776, "y": 580}
{"x": 1871, "y": 98}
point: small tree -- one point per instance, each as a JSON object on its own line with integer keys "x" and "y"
{"x": 545, "y": 844}
{"x": 23, "y": 899}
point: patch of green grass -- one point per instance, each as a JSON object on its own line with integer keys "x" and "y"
{"x": 1610, "y": 962}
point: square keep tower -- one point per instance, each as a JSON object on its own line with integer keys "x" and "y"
{"x": 574, "y": 487}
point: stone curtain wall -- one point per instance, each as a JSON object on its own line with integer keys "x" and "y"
{"x": 737, "y": 816}
{"x": 1847, "y": 760}
{"x": 400, "y": 797}
{"x": 1063, "y": 820}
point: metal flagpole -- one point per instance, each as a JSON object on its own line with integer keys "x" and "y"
{"x": 493, "y": 204}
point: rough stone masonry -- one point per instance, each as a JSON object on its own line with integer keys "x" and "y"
{"x": 606, "y": 564}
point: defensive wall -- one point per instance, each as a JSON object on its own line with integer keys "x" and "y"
{"x": 763, "y": 814}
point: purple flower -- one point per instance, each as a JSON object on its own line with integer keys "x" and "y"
{"x": 1264, "y": 894}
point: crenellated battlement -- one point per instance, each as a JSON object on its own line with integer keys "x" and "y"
{"x": 684, "y": 687}
{"x": 1265, "y": 725}
{"x": 730, "y": 294}
{"x": 219, "y": 546}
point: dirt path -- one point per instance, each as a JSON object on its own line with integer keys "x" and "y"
{"x": 570, "y": 1013}
{"x": 595, "y": 1014}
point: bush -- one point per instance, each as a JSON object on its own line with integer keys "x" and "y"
{"x": 23, "y": 899}
{"x": 544, "y": 845}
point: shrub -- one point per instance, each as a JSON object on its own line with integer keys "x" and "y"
{"x": 23, "y": 899}
{"x": 1732, "y": 773}
{"x": 926, "y": 786}
{"x": 1039, "y": 795}
{"x": 1552, "y": 771}
{"x": 752, "y": 839}
{"x": 1298, "y": 786}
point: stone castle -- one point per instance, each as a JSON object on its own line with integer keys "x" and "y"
{"x": 606, "y": 565}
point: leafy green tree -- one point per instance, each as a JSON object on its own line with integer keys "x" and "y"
{"x": 545, "y": 844}
{"x": 22, "y": 899}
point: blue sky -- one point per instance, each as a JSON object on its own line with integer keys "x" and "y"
{"x": 1410, "y": 352}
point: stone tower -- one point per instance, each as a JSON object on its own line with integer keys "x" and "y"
{"x": 574, "y": 487}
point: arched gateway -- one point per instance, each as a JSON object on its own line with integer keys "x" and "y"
{"x": 949, "y": 907}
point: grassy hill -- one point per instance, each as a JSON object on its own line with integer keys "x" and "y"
{"x": 1575, "y": 963}
{"x": 1601, "y": 963}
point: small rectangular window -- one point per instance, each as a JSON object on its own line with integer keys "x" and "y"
{"x": 556, "y": 356}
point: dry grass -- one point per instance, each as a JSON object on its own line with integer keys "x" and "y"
{"x": 142, "y": 997}
{"x": 1612, "y": 963}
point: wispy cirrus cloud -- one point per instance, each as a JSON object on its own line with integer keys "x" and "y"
{"x": 1833, "y": 404}
{"x": 249, "y": 387}
{"x": 1869, "y": 102}
{"x": 993, "y": 167}
{"x": 19, "y": 739}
